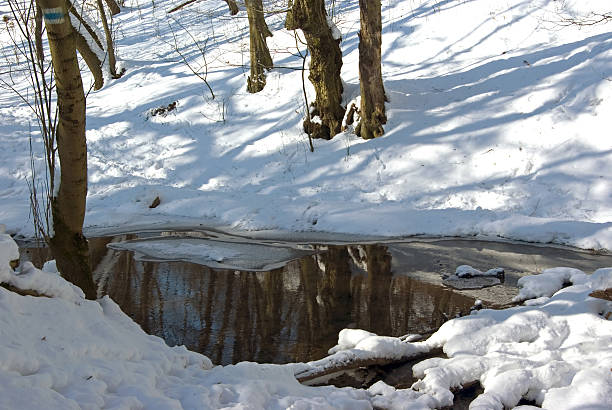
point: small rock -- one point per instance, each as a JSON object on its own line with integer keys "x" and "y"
{"x": 155, "y": 203}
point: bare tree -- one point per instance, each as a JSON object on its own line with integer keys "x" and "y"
{"x": 68, "y": 244}
{"x": 260, "y": 55}
{"x": 89, "y": 44}
{"x": 373, "y": 97}
{"x": 110, "y": 47}
{"x": 325, "y": 65}
{"x": 26, "y": 64}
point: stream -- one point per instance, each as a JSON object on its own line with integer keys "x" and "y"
{"x": 275, "y": 301}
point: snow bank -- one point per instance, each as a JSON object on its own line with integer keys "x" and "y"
{"x": 545, "y": 353}
{"x": 551, "y": 280}
{"x": 557, "y": 353}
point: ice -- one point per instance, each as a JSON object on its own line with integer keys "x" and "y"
{"x": 213, "y": 253}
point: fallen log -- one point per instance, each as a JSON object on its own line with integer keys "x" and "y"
{"x": 352, "y": 359}
{"x": 605, "y": 294}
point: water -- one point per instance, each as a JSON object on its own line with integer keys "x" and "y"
{"x": 293, "y": 313}
{"x": 289, "y": 314}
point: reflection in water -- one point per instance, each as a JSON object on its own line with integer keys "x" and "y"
{"x": 284, "y": 315}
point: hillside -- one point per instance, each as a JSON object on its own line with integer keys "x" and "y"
{"x": 498, "y": 127}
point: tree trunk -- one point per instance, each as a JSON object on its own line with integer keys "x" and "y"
{"x": 83, "y": 26}
{"x": 260, "y": 55}
{"x": 91, "y": 59}
{"x": 370, "y": 74}
{"x": 38, "y": 21}
{"x": 232, "y": 6}
{"x": 110, "y": 48}
{"x": 325, "y": 65}
{"x": 113, "y": 7}
{"x": 68, "y": 245}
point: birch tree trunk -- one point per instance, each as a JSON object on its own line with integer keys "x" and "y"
{"x": 68, "y": 245}
{"x": 325, "y": 65}
{"x": 373, "y": 97}
{"x": 85, "y": 49}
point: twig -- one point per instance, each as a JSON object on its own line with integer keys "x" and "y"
{"x": 304, "y": 56}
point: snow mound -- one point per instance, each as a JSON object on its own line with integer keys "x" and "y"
{"x": 30, "y": 278}
{"x": 548, "y": 282}
{"x": 547, "y": 353}
{"x": 466, "y": 271}
{"x": 467, "y": 277}
{"x": 8, "y": 250}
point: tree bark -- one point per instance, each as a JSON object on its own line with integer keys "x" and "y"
{"x": 68, "y": 245}
{"x": 232, "y": 6}
{"x": 110, "y": 48}
{"x": 373, "y": 97}
{"x": 113, "y": 7}
{"x": 260, "y": 55}
{"x": 38, "y": 21}
{"x": 325, "y": 65}
{"x": 82, "y": 23}
{"x": 91, "y": 59}
{"x": 85, "y": 48}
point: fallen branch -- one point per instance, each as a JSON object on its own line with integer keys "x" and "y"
{"x": 351, "y": 359}
{"x": 180, "y": 6}
{"x": 233, "y": 7}
{"x": 22, "y": 292}
{"x": 605, "y": 294}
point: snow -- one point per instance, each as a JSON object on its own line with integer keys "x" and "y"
{"x": 8, "y": 251}
{"x": 546, "y": 283}
{"x": 497, "y": 127}
{"x": 466, "y": 271}
{"x": 468, "y": 277}
{"x": 537, "y": 352}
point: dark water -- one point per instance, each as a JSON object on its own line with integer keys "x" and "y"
{"x": 285, "y": 315}
{"x": 294, "y": 313}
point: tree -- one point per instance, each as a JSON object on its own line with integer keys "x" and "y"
{"x": 325, "y": 65}
{"x": 373, "y": 96}
{"x": 232, "y": 6}
{"x": 260, "y": 55}
{"x": 110, "y": 47}
{"x": 113, "y": 7}
{"x": 91, "y": 49}
{"x": 68, "y": 244}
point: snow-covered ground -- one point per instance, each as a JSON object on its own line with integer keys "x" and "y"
{"x": 498, "y": 126}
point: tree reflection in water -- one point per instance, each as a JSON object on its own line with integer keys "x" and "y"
{"x": 288, "y": 314}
